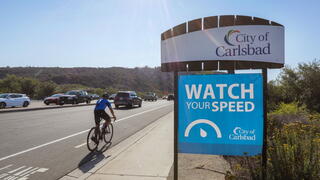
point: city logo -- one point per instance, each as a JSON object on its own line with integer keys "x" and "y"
{"x": 240, "y": 134}
{"x": 228, "y": 35}
{"x": 245, "y": 44}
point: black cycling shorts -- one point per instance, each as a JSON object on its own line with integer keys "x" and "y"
{"x": 98, "y": 114}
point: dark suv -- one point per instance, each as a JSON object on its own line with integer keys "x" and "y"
{"x": 81, "y": 96}
{"x": 127, "y": 98}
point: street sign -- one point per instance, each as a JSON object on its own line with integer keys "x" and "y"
{"x": 220, "y": 114}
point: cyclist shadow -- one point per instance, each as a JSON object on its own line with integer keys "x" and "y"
{"x": 93, "y": 158}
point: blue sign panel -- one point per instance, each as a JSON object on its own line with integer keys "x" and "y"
{"x": 220, "y": 114}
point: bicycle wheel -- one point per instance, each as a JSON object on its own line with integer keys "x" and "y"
{"x": 92, "y": 146}
{"x": 108, "y": 133}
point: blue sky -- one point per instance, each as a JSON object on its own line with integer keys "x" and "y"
{"x": 126, "y": 33}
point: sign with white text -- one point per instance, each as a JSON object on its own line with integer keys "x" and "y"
{"x": 220, "y": 114}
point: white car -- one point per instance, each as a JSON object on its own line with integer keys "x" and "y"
{"x": 14, "y": 100}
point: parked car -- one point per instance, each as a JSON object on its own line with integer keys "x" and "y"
{"x": 60, "y": 99}
{"x": 81, "y": 96}
{"x": 94, "y": 96}
{"x": 127, "y": 98}
{"x": 14, "y": 100}
{"x": 170, "y": 97}
{"x": 52, "y": 99}
{"x": 150, "y": 96}
{"x": 112, "y": 96}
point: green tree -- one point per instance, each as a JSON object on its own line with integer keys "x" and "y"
{"x": 45, "y": 89}
{"x": 11, "y": 83}
{"x": 28, "y": 86}
{"x": 302, "y": 85}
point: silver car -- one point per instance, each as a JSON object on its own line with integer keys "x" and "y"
{"x": 14, "y": 100}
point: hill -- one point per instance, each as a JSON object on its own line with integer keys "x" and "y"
{"x": 139, "y": 79}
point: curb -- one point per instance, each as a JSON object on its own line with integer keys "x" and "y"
{"x": 42, "y": 108}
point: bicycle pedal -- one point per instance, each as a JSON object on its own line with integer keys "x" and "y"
{"x": 94, "y": 139}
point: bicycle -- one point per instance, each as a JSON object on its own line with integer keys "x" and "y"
{"x": 105, "y": 133}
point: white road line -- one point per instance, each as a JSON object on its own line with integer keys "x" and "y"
{"x": 3, "y": 175}
{"x": 23, "y": 178}
{"x": 12, "y": 178}
{"x": 9, "y": 178}
{"x": 42, "y": 170}
{"x": 72, "y": 135}
{"x": 141, "y": 113}
{"x": 78, "y": 146}
{"x": 21, "y": 172}
{"x": 5, "y": 167}
{"x": 29, "y": 172}
{"x": 10, "y": 172}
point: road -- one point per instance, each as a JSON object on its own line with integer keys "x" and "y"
{"x": 39, "y": 104}
{"x": 47, "y": 144}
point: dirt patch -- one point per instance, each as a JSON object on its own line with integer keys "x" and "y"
{"x": 201, "y": 167}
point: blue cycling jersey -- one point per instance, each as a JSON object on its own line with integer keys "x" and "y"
{"x": 102, "y": 104}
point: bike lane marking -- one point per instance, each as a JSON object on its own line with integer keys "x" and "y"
{"x": 70, "y": 136}
{"x": 5, "y": 167}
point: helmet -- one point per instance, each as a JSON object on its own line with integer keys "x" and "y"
{"x": 105, "y": 95}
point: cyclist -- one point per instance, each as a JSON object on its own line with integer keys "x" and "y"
{"x": 100, "y": 113}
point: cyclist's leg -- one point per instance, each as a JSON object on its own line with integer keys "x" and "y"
{"x": 107, "y": 119}
{"x": 97, "y": 116}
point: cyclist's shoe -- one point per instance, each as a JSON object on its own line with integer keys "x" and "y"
{"x": 94, "y": 139}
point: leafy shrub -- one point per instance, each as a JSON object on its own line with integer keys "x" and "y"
{"x": 293, "y": 147}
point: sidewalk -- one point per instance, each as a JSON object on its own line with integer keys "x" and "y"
{"x": 148, "y": 155}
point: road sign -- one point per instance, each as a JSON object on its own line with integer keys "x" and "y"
{"x": 220, "y": 114}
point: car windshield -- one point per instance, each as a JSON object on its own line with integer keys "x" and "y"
{"x": 4, "y": 95}
{"x": 123, "y": 94}
{"x": 72, "y": 93}
{"x": 56, "y": 95}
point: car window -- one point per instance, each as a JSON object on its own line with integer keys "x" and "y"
{"x": 3, "y": 95}
{"x": 123, "y": 94}
{"x": 56, "y": 95}
{"x": 72, "y": 93}
{"x": 18, "y": 95}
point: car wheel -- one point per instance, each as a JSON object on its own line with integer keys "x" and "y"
{"x": 2, "y": 105}
{"x": 25, "y": 104}
{"x": 46, "y": 102}
{"x": 140, "y": 104}
{"x": 88, "y": 101}
{"x": 61, "y": 103}
{"x": 117, "y": 107}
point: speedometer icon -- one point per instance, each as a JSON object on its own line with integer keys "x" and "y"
{"x": 202, "y": 132}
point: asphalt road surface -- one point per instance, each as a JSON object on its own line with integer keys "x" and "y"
{"x": 47, "y": 144}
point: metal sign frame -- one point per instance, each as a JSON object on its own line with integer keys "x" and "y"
{"x": 208, "y": 65}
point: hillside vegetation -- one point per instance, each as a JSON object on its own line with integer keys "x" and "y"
{"x": 96, "y": 79}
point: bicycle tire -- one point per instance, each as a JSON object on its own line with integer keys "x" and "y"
{"x": 107, "y": 137}
{"x": 89, "y": 141}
